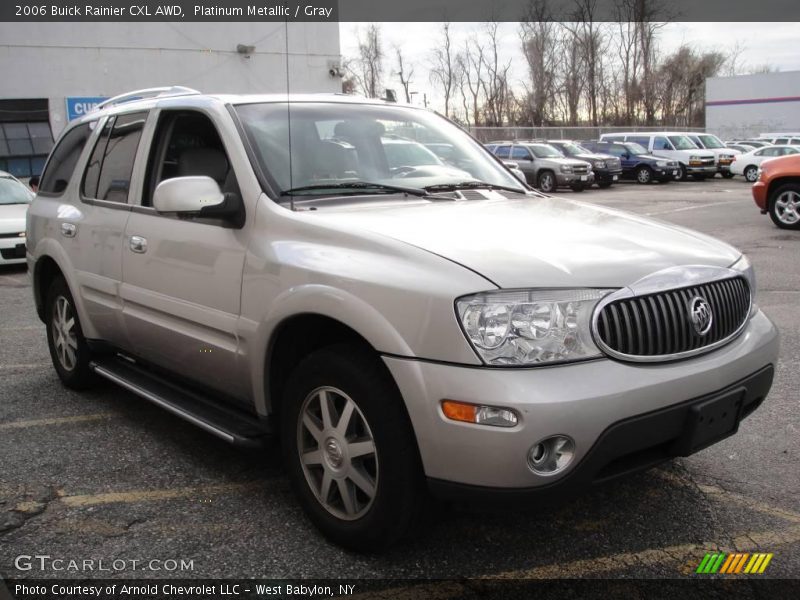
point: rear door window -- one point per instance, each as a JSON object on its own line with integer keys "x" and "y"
{"x": 503, "y": 151}
{"x": 520, "y": 153}
{"x": 642, "y": 140}
{"x": 63, "y": 159}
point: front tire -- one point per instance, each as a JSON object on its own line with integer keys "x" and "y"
{"x": 784, "y": 206}
{"x": 546, "y": 182}
{"x": 350, "y": 449}
{"x": 681, "y": 174}
{"x": 68, "y": 348}
{"x": 726, "y": 174}
{"x": 605, "y": 184}
{"x": 578, "y": 188}
{"x": 644, "y": 175}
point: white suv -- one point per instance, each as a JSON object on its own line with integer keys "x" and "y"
{"x": 405, "y": 326}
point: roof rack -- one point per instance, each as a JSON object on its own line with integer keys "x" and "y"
{"x": 156, "y": 92}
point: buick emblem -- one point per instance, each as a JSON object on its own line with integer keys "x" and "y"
{"x": 701, "y": 315}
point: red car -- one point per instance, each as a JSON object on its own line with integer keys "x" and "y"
{"x": 777, "y": 190}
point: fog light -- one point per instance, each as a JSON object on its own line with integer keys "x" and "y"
{"x": 551, "y": 455}
{"x": 479, "y": 414}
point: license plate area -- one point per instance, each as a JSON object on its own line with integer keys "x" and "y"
{"x": 710, "y": 421}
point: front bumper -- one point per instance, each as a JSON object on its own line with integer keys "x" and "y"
{"x": 608, "y": 175}
{"x": 760, "y": 195}
{"x": 12, "y": 250}
{"x": 570, "y": 179}
{"x": 581, "y": 400}
{"x": 701, "y": 169}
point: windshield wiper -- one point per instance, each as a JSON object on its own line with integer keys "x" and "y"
{"x": 472, "y": 185}
{"x": 356, "y": 186}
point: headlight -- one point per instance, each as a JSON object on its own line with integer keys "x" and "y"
{"x": 566, "y": 169}
{"x": 529, "y": 327}
{"x": 694, "y": 157}
{"x": 748, "y": 272}
{"x": 661, "y": 163}
{"x": 599, "y": 164}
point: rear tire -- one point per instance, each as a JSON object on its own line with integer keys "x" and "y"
{"x": 751, "y": 173}
{"x": 364, "y": 501}
{"x": 68, "y": 348}
{"x": 784, "y": 206}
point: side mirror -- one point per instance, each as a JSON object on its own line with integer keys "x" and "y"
{"x": 187, "y": 195}
{"x": 626, "y": 155}
{"x": 511, "y": 164}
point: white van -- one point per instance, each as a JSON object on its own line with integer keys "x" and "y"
{"x": 723, "y": 154}
{"x": 674, "y": 145}
{"x": 790, "y": 138}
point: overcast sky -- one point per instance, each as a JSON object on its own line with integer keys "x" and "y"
{"x": 764, "y": 43}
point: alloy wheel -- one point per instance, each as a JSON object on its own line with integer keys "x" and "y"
{"x": 751, "y": 174}
{"x": 787, "y": 207}
{"x": 337, "y": 453}
{"x": 64, "y": 333}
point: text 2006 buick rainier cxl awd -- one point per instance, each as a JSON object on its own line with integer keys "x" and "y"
{"x": 374, "y": 287}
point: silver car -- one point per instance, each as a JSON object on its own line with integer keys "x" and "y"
{"x": 405, "y": 329}
{"x": 544, "y": 166}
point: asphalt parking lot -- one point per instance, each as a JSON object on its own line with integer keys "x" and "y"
{"x": 106, "y": 475}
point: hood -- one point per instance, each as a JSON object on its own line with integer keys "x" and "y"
{"x": 12, "y": 217}
{"x": 534, "y": 242}
{"x": 568, "y": 161}
{"x": 590, "y": 156}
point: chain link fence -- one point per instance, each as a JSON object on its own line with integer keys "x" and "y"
{"x": 489, "y": 134}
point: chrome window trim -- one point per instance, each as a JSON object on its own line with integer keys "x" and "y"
{"x": 667, "y": 280}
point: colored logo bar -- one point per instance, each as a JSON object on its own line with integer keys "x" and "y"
{"x": 734, "y": 563}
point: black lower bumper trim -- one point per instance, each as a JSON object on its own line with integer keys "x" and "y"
{"x": 634, "y": 444}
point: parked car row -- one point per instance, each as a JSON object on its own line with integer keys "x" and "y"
{"x": 642, "y": 157}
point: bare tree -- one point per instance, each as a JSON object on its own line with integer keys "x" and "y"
{"x": 366, "y": 70}
{"x": 495, "y": 83}
{"x": 443, "y": 68}
{"x": 589, "y": 38}
{"x": 472, "y": 71}
{"x": 538, "y": 36}
{"x": 404, "y": 73}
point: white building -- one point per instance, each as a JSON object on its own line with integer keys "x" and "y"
{"x": 747, "y": 105}
{"x": 52, "y": 72}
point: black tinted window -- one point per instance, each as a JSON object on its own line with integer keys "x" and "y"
{"x": 520, "y": 153}
{"x": 503, "y": 151}
{"x": 92, "y": 175}
{"x": 642, "y": 140}
{"x": 63, "y": 160}
{"x": 120, "y": 150}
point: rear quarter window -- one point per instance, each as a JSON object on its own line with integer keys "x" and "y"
{"x": 63, "y": 158}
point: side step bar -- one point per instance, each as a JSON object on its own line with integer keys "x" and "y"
{"x": 232, "y": 425}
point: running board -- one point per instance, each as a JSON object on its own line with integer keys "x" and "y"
{"x": 234, "y": 426}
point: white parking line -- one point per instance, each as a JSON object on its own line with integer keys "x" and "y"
{"x": 24, "y": 366}
{"x": 55, "y": 421}
{"x": 684, "y": 208}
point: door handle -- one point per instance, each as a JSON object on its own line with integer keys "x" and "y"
{"x": 68, "y": 229}
{"x": 138, "y": 244}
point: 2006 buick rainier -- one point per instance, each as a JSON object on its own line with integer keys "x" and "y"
{"x": 366, "y": 282}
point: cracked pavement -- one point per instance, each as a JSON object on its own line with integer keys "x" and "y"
{"x": 105, "y": 475}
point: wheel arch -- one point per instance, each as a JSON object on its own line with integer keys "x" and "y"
{"x": 778, "y": 182}
{"x": 308, "y": 318}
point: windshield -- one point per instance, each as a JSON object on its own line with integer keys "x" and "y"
{"x": 13, "y": 192}
{"x": 711, "y": 141}
{"x": 635, "y": 149}
{"x": 336, "y": 143}
{"x": 545, "y": 151}
{"x": 681, "y": 142}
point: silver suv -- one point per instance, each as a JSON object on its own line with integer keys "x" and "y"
{"x": 544, "y": 166}
{"x": 404, "y": 329}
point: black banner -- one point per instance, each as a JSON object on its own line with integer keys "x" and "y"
{"x": 378, "y": 589}
{"x": 388, "y": 10}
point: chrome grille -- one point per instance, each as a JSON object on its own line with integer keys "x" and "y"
{"x": 659, "y": 326}
{"x": 580, "y": 169}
